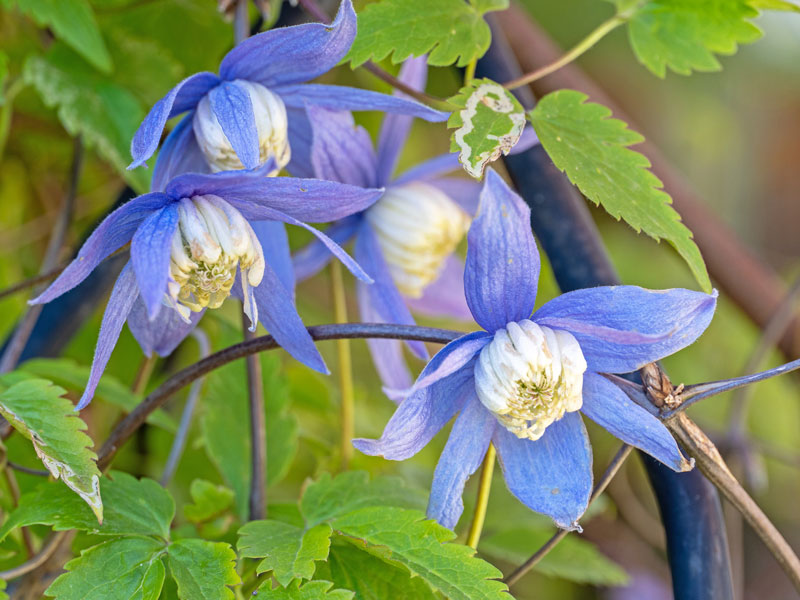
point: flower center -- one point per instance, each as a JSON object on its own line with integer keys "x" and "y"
{"x": 211, "y": 241}
{"x": 418, "y": 227}
{"x": 271, "y": 124}
{"x": 529, "y": 376}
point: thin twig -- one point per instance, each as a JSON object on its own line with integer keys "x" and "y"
{"x": 35, "y": 280}
{"x": 316, "y": 11}
{"x": 13, "y": 486}
{"x": 258, "y": 431}
{"x": 241, "y": 24}
{"x": 36, "y": 561}
{"x": 179, "y": 443}
{"x": 600, "y": 486}
{"x": 125, "y": 428}
{"x": 23, "y": 332}
{"x": 773, "y": 332}
{"x": 28, "y": 470}
{"x": 585, "y": 44}
{"x": 710, "y": 462}
{"x": 143, "y": 373}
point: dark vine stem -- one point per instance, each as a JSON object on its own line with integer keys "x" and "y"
{"x": 126, "y": 428}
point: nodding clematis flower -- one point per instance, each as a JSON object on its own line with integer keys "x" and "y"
{"x": 405, "y": 241}
{"x": 202, "y": 239}
{"x": 256, "y": 108}
{"x": 523, "y": 381}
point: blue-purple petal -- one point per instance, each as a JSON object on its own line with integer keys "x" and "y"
{"x": 232, "y": 106}
{"x": 300, "y": 140}
{"x": 608, "y": 406}
{"x": 119, "y": 305}
{"x": 310, "y": 260}
{"x": 445, "y": 296}
{"x": 292, "y": 54}
{"x": 453, "y": 357}
{"x": 431, "y": 168}
{"x": 150, "y": 256}
{"x": 384, "y": 297}
{"x": 310, "y": 200}
{"x": 162, "y": 334}
{"x": 277, "y": 312}
{"x": 502, "y": 268}
{"x": 395, "y": 128}
{"x": 462, "y": 455}
{"x": 340, "y": 97}
{"x": 340, "y": 150}
{"x": 181, "y": 98}
{"x": 552, "y": 475}
{"x": 180, "y": 154}
{"x": 255, "y": 212}
{"x": 387, "y": 355}
{"x": 464, "y": 192}
{"x": 114, "y": 231}
{"x": 622, "y": 328}
{"x": 420, "y": 416}
{"x": 275, "y": 244}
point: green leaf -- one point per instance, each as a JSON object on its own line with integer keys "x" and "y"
{"x": 489, "y": 123}
{"x": 288, "y": 551}
{"x": 407, "y": 538}
{"x": 120, "y": 569}
{"x": 573, "y": 558}
{"x": 132, "y": 507}
{"x": 226, "y": 430}
{"x": 203, "y": 570}
{"x": 73, "y": 22}
{"x": 372, "y": 578}
{"x": 104, "y": 113}
{"x": 685, "y": 35}
{"x": 311, "y": 590}
{"x": 593, "y": 150}
{"x": 450, "y": 30}
{"x": 209, "y": 501}
{"x": 36, "y": 409}
{"x": 69, "y": 374}
{"x": 328, "y": 497}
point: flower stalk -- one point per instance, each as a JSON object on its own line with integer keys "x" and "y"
{"x": 484, "y": 488}
{"x": 347, "y": 399}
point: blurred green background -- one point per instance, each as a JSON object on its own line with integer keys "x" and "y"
{"x": 733, "y": 134}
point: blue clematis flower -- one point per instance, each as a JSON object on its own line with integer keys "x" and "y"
{"x": 206, "y": 237}
{"x": 406, "y": 240}
{"x": 523, "y": 381}
{"x": 256, "y": 108}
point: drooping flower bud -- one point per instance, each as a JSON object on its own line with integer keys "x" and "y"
{"x": 529, "y": 376}
{"x": 418, "y": 226}
{"x": 271, "y": 123}
{"x": 211, "y": 241}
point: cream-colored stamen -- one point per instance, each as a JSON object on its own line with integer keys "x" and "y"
{"x": 418, "y": 226}
{"x": 211, "y": 241}
{"x": 529, "y": 376}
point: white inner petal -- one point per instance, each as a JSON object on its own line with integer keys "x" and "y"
{"x": 529, "y": 376}
{"x": 418, "y": 226}
{"x": 211, "y": 241}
